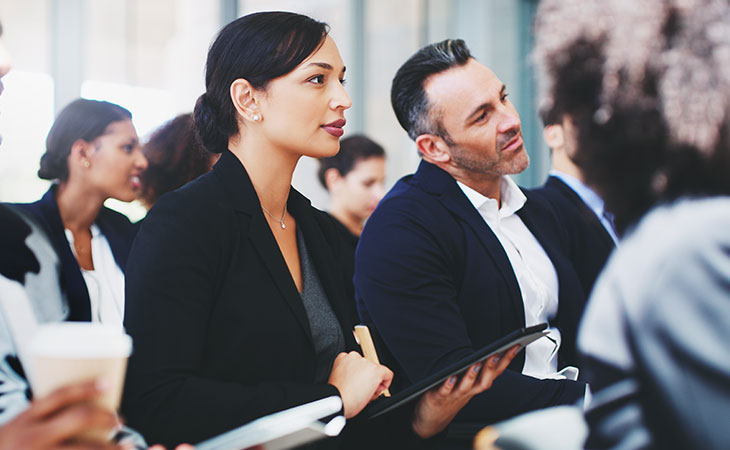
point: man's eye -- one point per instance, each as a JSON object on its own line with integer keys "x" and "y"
{"x": 481, "y": 117}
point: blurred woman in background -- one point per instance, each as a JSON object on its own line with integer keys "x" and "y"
{"x": 355, "y": 179}
{"x": 92, "y": 154}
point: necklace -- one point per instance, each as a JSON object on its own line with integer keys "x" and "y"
{"x": 281, "y": 221}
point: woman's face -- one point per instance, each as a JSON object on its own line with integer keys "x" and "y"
{"x": 361, "y": 189}
{"x": 303, "y": 112}
{"x": 116, "y": 162}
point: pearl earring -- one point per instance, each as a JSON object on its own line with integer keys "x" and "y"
{"x": 87, "y": 164}
{"x": 256, "y": 117}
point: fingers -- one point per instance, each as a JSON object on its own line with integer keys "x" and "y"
{"x": 63, "y": 397}
{"x": 502, "y": 363}
{"x": 447, "y": 386}
{"x": 75, "y": 420}
{"x": 386, "y": 378}
{"x": 94, "y": 446}
{"x": 179, "y": 447}
{"x": 467, "y": 381}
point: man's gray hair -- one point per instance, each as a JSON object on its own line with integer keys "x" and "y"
{"x": 407, "y": 95}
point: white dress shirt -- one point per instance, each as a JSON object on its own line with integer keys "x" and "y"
{"x": 105, "y": 283}
{"x": 591, "y": 199}
{"x": 534, "y": 271}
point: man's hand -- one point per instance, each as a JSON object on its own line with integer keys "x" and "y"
{"x": 437, "y": 408}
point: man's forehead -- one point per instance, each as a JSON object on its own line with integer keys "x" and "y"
{"x": 463, "y": 86}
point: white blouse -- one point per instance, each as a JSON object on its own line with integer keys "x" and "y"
{"x": 105, "y": 283}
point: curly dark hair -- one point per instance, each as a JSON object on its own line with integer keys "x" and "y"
{"x": 648, "y": 89}
{"x": 175, "y": 157}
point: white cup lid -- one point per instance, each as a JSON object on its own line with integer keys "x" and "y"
{"x": 80, "y": 340}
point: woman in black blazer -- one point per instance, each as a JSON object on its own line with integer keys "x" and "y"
{"x": 92, "y": 154}
{"x": 236, "y": 300}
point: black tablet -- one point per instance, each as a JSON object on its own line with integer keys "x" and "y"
{"x": 520, "y": 337}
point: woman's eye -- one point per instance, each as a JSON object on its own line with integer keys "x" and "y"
{"x": 504, "y": 97}
{"x": 129, "y": 148}
{"x": 343, "y": 81}
{"x": 319, "y": 79}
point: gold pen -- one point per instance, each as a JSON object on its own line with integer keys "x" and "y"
{"x": 363, "y": 338}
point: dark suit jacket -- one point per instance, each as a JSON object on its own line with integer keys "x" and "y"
{"x": 115, "y": 227}
{"x": 220, "y": 332}
{"x": 437, "y": 284}
{"x": 590, "y": 245}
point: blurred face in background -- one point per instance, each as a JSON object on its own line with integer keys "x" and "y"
{"x": 115, "y": 162}
{"x": 358, "y": 192}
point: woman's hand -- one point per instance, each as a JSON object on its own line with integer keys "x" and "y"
{"x": 52, "y": 421}
{"x": 437, "y": 408}
{"x": 358, "y": 380}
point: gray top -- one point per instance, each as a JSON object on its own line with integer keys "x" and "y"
{"x": 326, "y": 330}
{"x": 656, "y": 333}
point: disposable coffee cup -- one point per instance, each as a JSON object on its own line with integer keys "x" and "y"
{"x": 73, "y": 352}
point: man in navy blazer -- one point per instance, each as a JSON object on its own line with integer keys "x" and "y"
{"x": 456, "y": 255}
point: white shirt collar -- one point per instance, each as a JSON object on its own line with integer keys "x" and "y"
{"x": 512, "y": 200}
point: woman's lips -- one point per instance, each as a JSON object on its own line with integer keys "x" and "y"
{"x": 335, "y": 128}
{"x": 135, "y": 181}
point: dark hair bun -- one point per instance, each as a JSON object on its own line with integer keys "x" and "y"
{"x": 207, "y": 126}
{"x": 52, "y": 167}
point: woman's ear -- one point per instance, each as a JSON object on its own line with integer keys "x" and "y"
{"x": 244, "y": 100}
{"x": 80, "y": 154}
{"x": 433, "y": 149}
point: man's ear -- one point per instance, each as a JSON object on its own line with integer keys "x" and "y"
{"x": 554, "y": 136}
{"x": 244, "y": 100}
{"x": 433, "y": 149}
{"x": 332, "y": 178}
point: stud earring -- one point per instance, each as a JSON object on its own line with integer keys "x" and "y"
{"x": 87, "y": 164}
{"x": 256, "y": 117}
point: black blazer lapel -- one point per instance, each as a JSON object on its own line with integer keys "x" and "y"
{"x": 46, "y": 209}
{"x": 438, "y": 182}
{"x": 236, "y": 180}
{"x": 325, "y": 262}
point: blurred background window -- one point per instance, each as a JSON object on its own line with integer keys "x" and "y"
{"x": 149, "y": 57}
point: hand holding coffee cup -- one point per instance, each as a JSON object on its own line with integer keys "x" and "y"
{"x": 73, "y": 352}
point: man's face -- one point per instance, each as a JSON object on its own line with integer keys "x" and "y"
{"x": 482, "y": 124}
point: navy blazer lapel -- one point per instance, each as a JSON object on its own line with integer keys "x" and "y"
{"x": 568, "y": 302}
{"x": 46, "y": 209}
{"x": 243, "y": 195}
{"x": 584, "y": 210}
{"x": 438, "y": 182}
